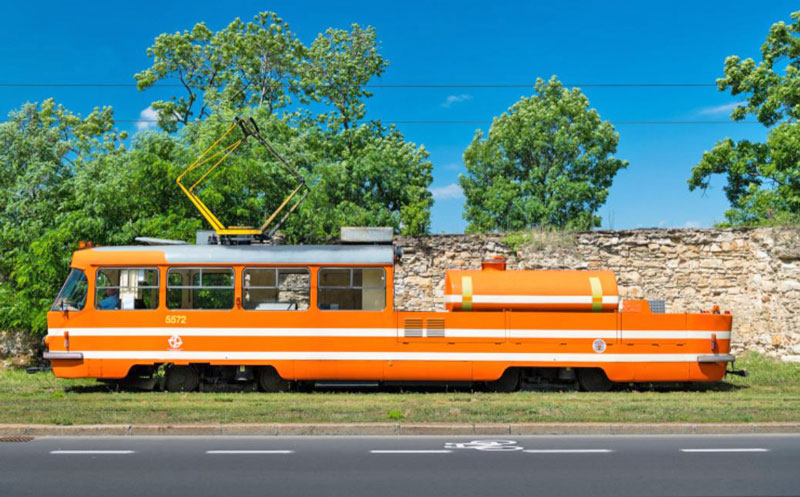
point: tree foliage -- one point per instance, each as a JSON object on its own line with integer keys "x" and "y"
{"x": 547, "y": 162}
{"x": 64, "y": 178}
{"x": 44, "y": 150}
{"x": 763, "y": 179}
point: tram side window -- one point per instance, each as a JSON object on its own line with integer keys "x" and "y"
{"x": 126, "y": 289}
{"x": 72, "y": 296}
{"x": 200, "y": 288}
{"x": 276, "y": 289}
{"x": 351, "y": 289}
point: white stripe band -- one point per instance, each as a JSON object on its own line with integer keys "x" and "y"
{"x": 249, "y": 452}
{"x": 92, "y": 452}
{"x": 531, "y": 299}
{"x": 568, "y": 451}
{"x": 724, "y": 450}
{"x": 173, "y": 355}
{"x": 439, "y": 451}
{"x": 389, "y": 333}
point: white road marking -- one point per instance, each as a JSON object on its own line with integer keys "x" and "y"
{"x": 439, "y": 451}
{"x": 725, "y": 450}
{"x": 92, "y": 452}
{"x": 249, "y": 452}
{"x": 568, "y": 451}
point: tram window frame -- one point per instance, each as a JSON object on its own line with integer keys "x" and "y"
{"x": 98, "y": 288}
{"x": 194, "y": 288}
{"x": 76, "y": 280}
{"x": 277, "y": 286}
{"x": 351, "y": 286}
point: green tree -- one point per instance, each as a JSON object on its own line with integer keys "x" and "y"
{"x": 763, "y": 179}
{"x": 43, "y": 148}
{"x": 64, "y": 178}
{"x": 547, "y": 162}
{"x": 242, "y": 65}
{"x": 362, "y": 173}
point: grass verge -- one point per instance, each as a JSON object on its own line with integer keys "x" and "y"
{"x": 770, "y": 394}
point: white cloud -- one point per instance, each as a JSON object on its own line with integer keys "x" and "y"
{"x": 719, "y": 109}
{"x": 148, "y": 117}
{"x": 691, "y": 224}
{"x": 454, "y": 99}
{"x": 453, "y": 190}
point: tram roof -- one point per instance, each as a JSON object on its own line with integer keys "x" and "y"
{"x": 266, "y": 254}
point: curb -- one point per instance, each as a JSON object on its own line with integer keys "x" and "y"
{"x": 396, "y": 429}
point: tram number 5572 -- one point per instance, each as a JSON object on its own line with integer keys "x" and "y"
{"x": 177, "y": 319}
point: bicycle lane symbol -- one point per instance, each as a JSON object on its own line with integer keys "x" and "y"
{"x": 486, "y": 445}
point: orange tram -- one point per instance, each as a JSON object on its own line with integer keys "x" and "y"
{"x": 278, "y": 317}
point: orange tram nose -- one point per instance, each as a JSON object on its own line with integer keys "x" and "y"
{"x": 280, "y": 316}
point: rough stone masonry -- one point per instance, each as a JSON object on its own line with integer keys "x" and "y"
{"x": 753, "y": 272}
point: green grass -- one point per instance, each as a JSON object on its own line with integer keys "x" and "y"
{"x": 770, "y": 394}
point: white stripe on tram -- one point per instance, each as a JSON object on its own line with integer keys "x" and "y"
{"x": 172, "y": 355}
{"x": 531, "y": 299}
{"x": 390, "y": 333}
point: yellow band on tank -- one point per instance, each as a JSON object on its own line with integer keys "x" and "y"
{"x": 597, "y": 294}
{"x": 466, "y": 293}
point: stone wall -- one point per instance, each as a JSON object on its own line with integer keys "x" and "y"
{"x": 18, "y": 349}
{"x": 754, "y": 273}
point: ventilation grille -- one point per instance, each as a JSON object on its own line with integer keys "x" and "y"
{"x": 657, "y": 306}
{"x": 413, "y": 328}
{"x": 16, "y": 439}
{"x": 435, "y": 327}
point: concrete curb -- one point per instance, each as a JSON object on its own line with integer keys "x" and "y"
{"x": 396, "y": 429}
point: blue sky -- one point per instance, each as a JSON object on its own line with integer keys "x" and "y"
{"x": 456, "y": 42}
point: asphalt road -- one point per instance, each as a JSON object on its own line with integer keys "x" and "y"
{"x": 403, "y": 466}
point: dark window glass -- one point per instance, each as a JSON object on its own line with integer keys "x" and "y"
{"x": 72, "y": 296}
{"x": 200, "y": 288}
{"x": 126, "y": 289}
{"x": 351, "y": 289}
{"x": 276, "y": 289}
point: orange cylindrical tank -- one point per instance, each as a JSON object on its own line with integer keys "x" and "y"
{"x": 496, "y": 289}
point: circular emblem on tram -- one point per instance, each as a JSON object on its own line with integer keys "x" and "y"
{"x": 599, "y": 346}
{"x": 175, "y": 342}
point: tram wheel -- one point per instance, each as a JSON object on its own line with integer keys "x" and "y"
{"x": 508, "y": 382}
{"x": 181, "y": 379}
{"x": 270, "y": 381}
{"x": 594, "y": 380}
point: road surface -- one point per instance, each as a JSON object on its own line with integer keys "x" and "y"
{"x": 742, "y": 465}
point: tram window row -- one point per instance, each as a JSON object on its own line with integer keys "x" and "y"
{"x": 212, "y": 288}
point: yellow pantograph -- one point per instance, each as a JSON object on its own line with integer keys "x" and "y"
{"x": 220, "y": 153}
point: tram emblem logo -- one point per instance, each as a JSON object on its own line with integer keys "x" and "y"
{"x": 175, "y": 342}
{"x": 486, "y": 445}
{"x": 599, "y": 346}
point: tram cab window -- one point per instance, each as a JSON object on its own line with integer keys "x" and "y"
{"x": 200, "y": 288}
{"x": 351, "y": 289}
{"x": 276, "y": 289}
{"x": 126, "y": 289}
{"x": 72, "y": 296}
